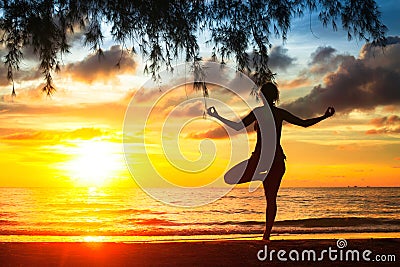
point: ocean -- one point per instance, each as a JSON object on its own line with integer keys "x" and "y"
{"x": 128, "y": 214}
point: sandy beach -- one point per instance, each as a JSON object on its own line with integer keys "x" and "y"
{"x": 198, "y": 253}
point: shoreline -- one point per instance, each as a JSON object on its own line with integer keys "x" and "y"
{"x": 193, "y": 238}
{"x": 196, "y": 253}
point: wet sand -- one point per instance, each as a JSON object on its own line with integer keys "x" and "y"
{"x": 197, "y": 253}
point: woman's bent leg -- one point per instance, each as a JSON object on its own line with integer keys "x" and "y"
{"x": 242, "y": 172}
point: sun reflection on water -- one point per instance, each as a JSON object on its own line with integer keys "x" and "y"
{"x": 94, "y": 239}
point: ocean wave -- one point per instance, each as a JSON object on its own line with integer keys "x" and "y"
{"x": 240, "y": 211}
{"x": 8, "y": 222}
{"x": 320, "y": 222}
{"x": 59, "y": 212}
{"x": 189, "y": 232}
{"x": 154, "y": 221}
{"x": 163, "y": 227}
{"x": 88, "y": 211}
{"x": 339, "y": 222}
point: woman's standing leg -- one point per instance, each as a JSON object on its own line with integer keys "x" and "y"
{"x": 271, "y": 186}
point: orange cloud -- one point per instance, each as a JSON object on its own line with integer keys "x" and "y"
{"x": 385, "y": 125}
{"x": 7, "y": 134}
{"x": 36, "y": 113}
{"x": 384, "y": 131}
{"x": 190, "y": 109}
{"x": 216, "y": 133}
{"x": 299, "y": 82}
{"x": 30, "y": 94}
{"x": 387, "y": 120}
{"x": 219, "y": 133}
{"x": 349, "y": 147}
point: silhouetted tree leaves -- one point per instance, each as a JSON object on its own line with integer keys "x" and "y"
{"x": 163, "y": 31}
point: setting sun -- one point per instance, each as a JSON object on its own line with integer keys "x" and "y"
{"x": 94, "y": 163}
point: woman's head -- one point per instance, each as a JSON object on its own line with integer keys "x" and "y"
{"x": 270, "y": 92}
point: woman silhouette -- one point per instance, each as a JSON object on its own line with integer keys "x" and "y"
{"x": 273, "y": 178}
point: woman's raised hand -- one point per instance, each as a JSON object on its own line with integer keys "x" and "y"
{"x": 212, "y": 112}
{"x": 329, "y": 112}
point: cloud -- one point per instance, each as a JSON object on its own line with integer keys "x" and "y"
{"x": 28, "y": 75}
{"x": 385, "y": 125}
{"x": 109, "y": 113}
{"x": 361, "y": 83}
{"x": 30, "y": 58}
{"x": 25, "y": 73}
{"x": 215, "y": 133}
{"x": 191, "y": 109}
{"x": 144, "y": 95}
{"x": 20, "y": 76}
{"x": 386, "y": 121}
{"x": 298, "y": 82}
{"x": 95, "y": 67}
{"x": 384, "y": 130}
{"x": 387, "y": 57}
{"x": 324, "y": 60}
{"x": 322, "y": 54}
{"x": 278, "y": 58}
{"x": 177, "y": 109}
{"x": 49, "y": 135}
{"x": 30, "y": 95}
{"x": 220, "y": 132}
{"x": 29, "y": 54}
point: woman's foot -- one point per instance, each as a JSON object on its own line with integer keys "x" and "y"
{"x": 265, "y": 236}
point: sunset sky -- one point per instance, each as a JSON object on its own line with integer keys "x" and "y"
{"x": 74, "y": 138}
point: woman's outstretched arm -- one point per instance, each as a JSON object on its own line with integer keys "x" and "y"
{"x": 289, "y": 117}
{"x": 250, "y": 118}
